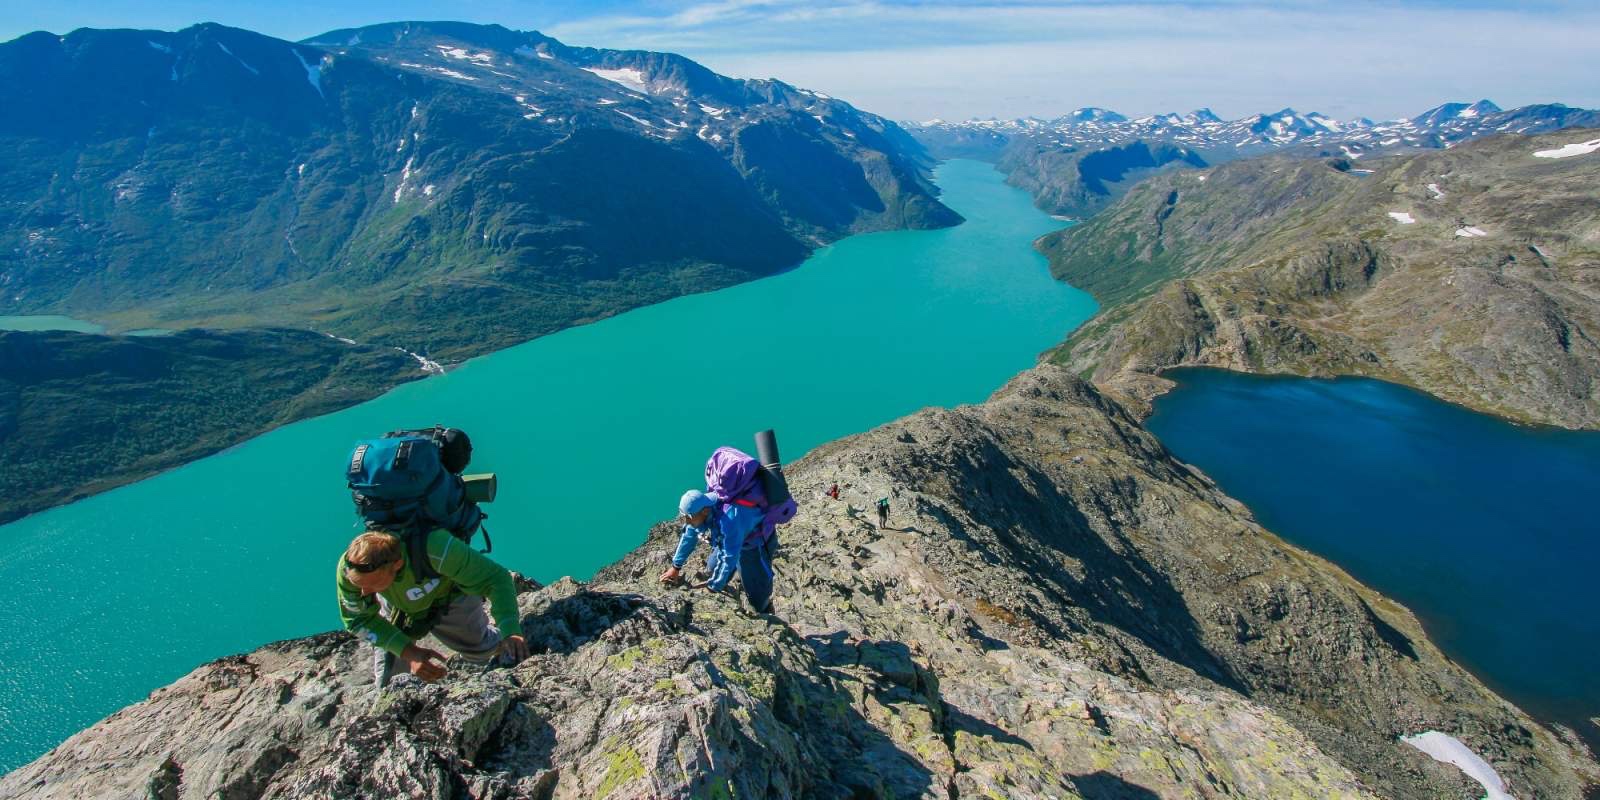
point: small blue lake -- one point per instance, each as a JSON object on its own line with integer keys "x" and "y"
{"x": 1485, "y": 529}
{"x": 595, "y": 432}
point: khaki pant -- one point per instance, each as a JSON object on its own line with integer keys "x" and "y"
{"x": 464, "y": 627}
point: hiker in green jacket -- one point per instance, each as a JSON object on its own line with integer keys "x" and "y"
{"x": 382, "y": 601}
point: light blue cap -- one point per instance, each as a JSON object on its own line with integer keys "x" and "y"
{"x": 693, "y": 501}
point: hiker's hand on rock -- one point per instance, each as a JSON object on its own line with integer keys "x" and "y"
{"x": 423, "y": 663}
{"x": 671, "y": 576}
{"x": 514, "y": 648}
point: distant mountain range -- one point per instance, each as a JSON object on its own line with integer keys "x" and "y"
{"x": 444, "y": 187}
{"x": 1078, "y": 163}
{"x": 1220, "y": 140}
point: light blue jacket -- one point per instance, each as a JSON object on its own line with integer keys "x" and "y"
{"x": 729, "y": 532}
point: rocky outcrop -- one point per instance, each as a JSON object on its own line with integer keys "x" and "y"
{"x": 1057, "y": 609}
{"x": 1468, "y": 273}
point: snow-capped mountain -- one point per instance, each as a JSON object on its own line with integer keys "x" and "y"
{"x": 216, "y": 174}
{"x": 1221, "y": 140}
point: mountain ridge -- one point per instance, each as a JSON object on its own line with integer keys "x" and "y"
{"x": 359, "y": 182}
{"x": 1043, "y": 156}
{"x": 1466, "y": 273}
{"x": 1057, "y": 609}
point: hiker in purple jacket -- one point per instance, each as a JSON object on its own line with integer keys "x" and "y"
{"x": 733, "y": 515}
{"x": 734, "y": 550}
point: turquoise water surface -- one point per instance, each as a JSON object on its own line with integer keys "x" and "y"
{"x": 594, "y": 431}
{"x": 1485, "y": 529}
{"x": 47, "y": 322}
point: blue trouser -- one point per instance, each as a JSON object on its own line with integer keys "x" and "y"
{"x": 755, "y": 571}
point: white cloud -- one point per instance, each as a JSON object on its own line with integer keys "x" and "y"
{"x": 1016, "y": 59}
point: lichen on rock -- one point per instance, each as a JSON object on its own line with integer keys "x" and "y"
{"x": 1058, "y": 609}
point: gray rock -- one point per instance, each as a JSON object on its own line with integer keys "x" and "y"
{"x": 1059, "y": 610}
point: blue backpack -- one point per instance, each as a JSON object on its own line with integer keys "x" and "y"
{"x": 409, "y": 483}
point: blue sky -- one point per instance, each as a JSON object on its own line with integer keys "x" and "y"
{"x": 961, "y": 58}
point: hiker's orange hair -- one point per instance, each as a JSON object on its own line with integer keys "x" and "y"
{"x": 373, "y": 547}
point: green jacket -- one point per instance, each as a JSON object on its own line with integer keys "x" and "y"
{"x": 461, "y": 570}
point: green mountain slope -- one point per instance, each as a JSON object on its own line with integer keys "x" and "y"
{"x": 82, "y": 413}
{"x": 444, "y": 187}
{"x": 1486, "y": 298}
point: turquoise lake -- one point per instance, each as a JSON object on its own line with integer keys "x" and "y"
{"x": 47, "y": 322}
{"x": 1485, "y": 529}
{"x": 594, "y": 431}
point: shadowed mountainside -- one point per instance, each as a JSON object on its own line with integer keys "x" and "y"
{"x": 83, "y": 413}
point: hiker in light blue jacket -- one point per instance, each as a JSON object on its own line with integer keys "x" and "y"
{"x": 727, "y": 526}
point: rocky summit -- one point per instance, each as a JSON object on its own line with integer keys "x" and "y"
{"x": 1057, "y": 609}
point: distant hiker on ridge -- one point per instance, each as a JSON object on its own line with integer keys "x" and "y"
{"x": 833, "y": 491}
{"x": 883, "y": 512}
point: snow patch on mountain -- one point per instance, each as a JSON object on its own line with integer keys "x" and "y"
{"x": 461, "y": 54}
{"x": 314, "y": 75}
{"x": 224, "y": 48}
{"x": 405, "y": 177}
{"x": 1450, "y": 750}
{"x": 1402, "y": 217}
{"x": 441, "y": 70}
{"x": 643, "y": 122}
{"x": 627, "y": 77}
{"x": 1568, "y": 151}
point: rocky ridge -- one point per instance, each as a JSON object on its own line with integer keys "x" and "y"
{"x": 1058, "y": 609}
{"x": 1469, "y": 273}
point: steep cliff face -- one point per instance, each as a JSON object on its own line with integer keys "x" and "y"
{"x": 1469, "y": 273}
{"x": 1057, "y": 609}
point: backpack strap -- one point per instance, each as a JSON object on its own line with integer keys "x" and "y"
{"x": 740, "y": 501}
{"x": 417, "y": 548}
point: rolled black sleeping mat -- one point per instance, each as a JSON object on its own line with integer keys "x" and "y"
{"x": 772, "y": 481}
